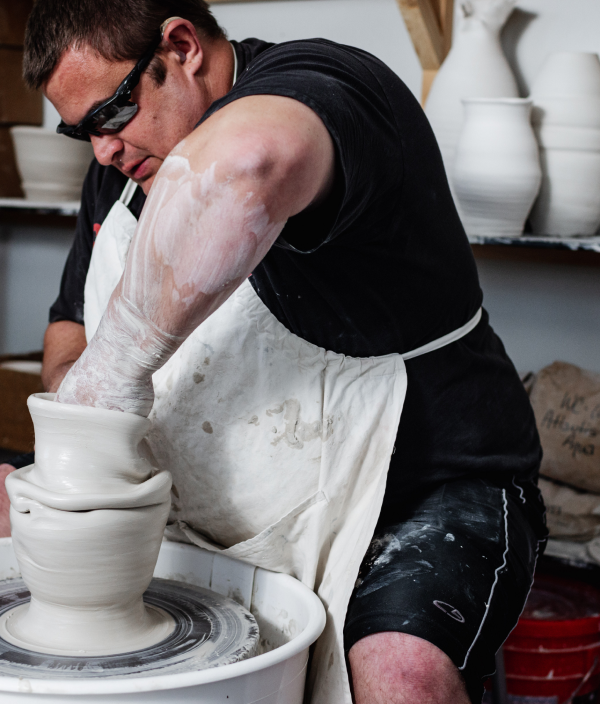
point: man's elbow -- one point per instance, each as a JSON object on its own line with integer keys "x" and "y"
{"x": 287, "y": 177}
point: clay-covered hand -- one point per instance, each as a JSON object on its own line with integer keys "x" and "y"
{"x": 115, "y": 370}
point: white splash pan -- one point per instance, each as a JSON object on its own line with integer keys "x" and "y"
{"x": 290, "y": 617}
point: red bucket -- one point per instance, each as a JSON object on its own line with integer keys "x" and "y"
{"x": 554, "y": 651}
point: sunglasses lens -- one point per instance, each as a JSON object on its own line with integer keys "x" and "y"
{"x": 72, "y": 132}
{"x": 114, "y": 117}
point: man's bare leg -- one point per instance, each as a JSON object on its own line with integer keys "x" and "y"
{"x": 396, "y": 668}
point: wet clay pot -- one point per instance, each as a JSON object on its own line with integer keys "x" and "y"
{"x": 87, "y": 523}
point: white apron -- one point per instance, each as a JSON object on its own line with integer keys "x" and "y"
{"x": 279, "y": 449}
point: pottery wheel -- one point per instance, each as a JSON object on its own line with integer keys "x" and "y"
{"x": 210, "y": 631}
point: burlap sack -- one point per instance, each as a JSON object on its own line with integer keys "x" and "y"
{"x": 566, "y": 402}
{"x": 570, "y": 514}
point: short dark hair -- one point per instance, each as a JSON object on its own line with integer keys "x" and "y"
{"x": 119, "y": 30}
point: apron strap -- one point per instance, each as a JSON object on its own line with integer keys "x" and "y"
{"x": 446, "y": 339}
{"x": 235, "y": 64}
{"x": 128, "y": 192}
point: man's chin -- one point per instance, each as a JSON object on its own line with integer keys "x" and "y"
{"x": 146, "y": 185}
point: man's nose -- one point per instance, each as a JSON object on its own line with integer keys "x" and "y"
{"x": 106, "y": 146}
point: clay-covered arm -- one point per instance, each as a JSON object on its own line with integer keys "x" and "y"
{"x": 217, "y": 205}
{"x": 64, "y": 342}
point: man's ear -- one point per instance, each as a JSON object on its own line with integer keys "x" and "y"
{"x": 180, "y": 36}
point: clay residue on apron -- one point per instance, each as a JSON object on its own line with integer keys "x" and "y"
{"x": 297, "y": 431}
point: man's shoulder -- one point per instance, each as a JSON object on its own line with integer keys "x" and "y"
{"x": 310, "y": 53}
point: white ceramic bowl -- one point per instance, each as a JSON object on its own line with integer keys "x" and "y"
{"x": 572, "y": 138}
{"x": 568, "y": 74}
{"x": 576, "y": 111}
{"x": 52, "y": 167}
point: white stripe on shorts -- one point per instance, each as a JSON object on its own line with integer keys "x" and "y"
{"x": 497, "y": 574}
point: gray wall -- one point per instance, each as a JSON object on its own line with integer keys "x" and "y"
{"x": 542, "y": 312}
{"x": 31, "y": 262}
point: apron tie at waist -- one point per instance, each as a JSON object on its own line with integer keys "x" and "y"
{"x": 279, "y": 449}
{"x": 446, "y": 339}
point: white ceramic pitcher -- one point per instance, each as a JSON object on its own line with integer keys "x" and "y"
{"x": 475, "y": 67}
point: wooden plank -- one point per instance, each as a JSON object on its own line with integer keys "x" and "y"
{"x": 18, "y": 105}
{"x": 429, "y": 23}
{"x": 535, "y": 255}
{"x": 16, "y": 428}
{"x": 219, "y": 2}
{"x": 10, "y": 181}
{"x": 13, "y": 18}
{"x": 36, "y": 219}
{"x": 428, "y": 78}
{"x": 444, "y": 11}
{"x": 425, "y": 31}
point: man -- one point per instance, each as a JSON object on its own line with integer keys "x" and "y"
{"x": 298, "y": 240}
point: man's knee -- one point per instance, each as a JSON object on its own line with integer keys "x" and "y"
{"x": 396, "y": 668}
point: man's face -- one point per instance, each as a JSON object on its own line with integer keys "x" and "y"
{"x": 166, "y": 114}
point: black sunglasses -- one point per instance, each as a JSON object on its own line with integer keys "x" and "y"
{"x": 113, "y": 114}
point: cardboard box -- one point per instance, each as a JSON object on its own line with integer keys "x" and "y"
{"x": 16, "y": 428}
{"x": 10, "y": 181}
{"x": 13, "y": 18}
{"x": 18, "y": 104}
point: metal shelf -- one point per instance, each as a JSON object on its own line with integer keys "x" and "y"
{"x": 573, "y": 244}
{"x": 67, "y": 208}
{"x": 589, "y": 244}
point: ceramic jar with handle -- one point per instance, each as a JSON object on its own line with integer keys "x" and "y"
{"x": 475, "y": 67}
{"x": 496, "y": 170}
{"x": 566, "y": 118}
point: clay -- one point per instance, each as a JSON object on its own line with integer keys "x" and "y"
{"x": 87, "y": 523}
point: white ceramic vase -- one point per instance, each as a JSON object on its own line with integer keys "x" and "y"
{"x": 496, "y": 171}
{"x": 52, "y": 167}
{"x": 566, "y": 117}
{"x": 475, "y": 68}
{"x": 87, "y": 522}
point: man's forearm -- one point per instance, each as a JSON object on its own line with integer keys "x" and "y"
{"x": 216, "y": 207}
{"x": 190, "y": 252}
{"x": 64, "y": 342}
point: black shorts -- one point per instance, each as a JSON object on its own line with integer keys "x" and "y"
{"x": 456, "y": 571}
